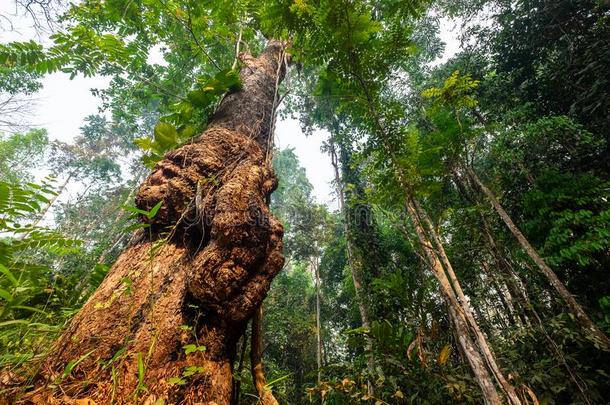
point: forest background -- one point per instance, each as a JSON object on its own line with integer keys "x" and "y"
{"x": 455, "y": 247}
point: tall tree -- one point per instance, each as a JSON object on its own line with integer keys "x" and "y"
{"x": 204, "y": 264}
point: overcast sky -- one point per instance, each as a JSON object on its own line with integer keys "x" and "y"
{"x": 62, "y": 105}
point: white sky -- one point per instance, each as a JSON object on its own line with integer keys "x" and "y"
{"x": 62, "y": 105}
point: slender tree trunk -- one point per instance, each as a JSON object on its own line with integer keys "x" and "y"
{"x": 587, "y": 325}
{"x": 256, "y": 360}
{"x": 504, "y": 299}
{"x": 464, "y": 322}
{"x": 456, "y": 312}
{"x": 517, "y": 290}
{"x": 476, "y": 362}
{"x": 480, "y": 337}
{"x": 512, "y": 281}
{"x": 181, "y": 294}
{"x": 318, "y": 320}
{"x": 355, "y": 270}
{"x": 514, "y": 285}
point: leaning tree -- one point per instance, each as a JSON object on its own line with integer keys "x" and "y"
{"x": 164, "y": 323}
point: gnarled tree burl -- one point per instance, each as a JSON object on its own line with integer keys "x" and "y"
{"x": 210, "y": 272}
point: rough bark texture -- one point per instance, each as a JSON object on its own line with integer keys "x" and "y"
{"x": 207, "y": 263}
{"x": 589, "y": 328}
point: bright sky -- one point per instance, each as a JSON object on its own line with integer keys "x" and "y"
{"x": 62, "y": 105}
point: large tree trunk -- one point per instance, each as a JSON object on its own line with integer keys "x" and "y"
{"x": 588, "y": 327}
{"x": 195, "y": 277}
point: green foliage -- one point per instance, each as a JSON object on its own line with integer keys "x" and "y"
{"x": 15, "y": 80}
{"x": 191, "y": 348}
{"x": 29, "y": 308}
{"x": 20, "y": 153}
{"x": 456, "y": 91}
{"x": 573, "y": 214}
{"x": 525, "y": 104}
{"x": 21, "y": 54}
{"x": 181, "y": 125}
{"x": 290, "y": 333}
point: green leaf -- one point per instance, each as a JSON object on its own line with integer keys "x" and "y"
{"x": 229, "y": 79}
{"x": 6, "y": 295}
{"x": 188, "y": 132}
{"x": 40, "y": 311}
{"x": 153, "y": 211}
{"x": 141, "y": 374}
{"x": 199, "y": 98}
{"x": 4, "y": 270}
{"x": 277, "y": 380}
{"x": 144, "y": 143}
{"x": 166, "y": 135}
{"x": 176, "y": 381}
{"x": 15, "y": 322}
{"x": 191, "y": 348}
{"x": 135, "y": 210}
{"x": 192, "y": 370}
{"x": 133, "y": 227}
{"x": 73, "y": 363}
{"x": 151, "y": 160}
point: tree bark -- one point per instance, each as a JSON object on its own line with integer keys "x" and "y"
{"x": 256, "y": 360}
{"x": 589, "y": 328}
{"x": 205, "y": 263}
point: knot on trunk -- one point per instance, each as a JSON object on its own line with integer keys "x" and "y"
{"x": 197, "y": 168}
{"x": 231, "y": 275}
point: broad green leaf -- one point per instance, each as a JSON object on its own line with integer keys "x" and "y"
{"x": 166, "y": 135}
{"x": 151, "y": 160}
{"x": 191, "y": 348}
{"x": 176, "y": 381}
{"x": 188, "y": 132}
{"x": 144, "y": 143}
{"x": 199, "y": 98}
